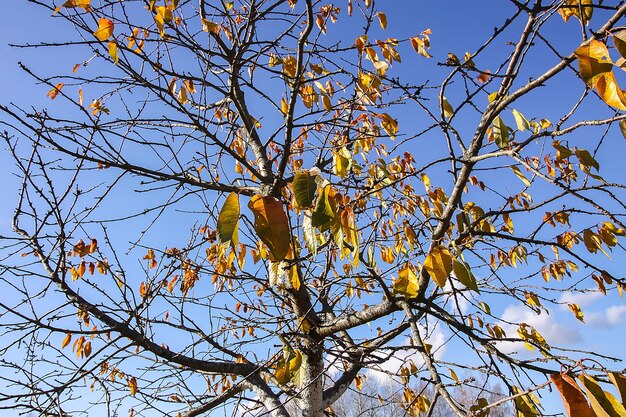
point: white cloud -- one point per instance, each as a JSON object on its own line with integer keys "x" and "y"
{"x": 555, "y": 333}
{"x": 392, "y": 366}
{"x": 583, "y": 299}
{"x": 612, "y": 316}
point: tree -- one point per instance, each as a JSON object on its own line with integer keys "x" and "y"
{"x": 265, "y": 200}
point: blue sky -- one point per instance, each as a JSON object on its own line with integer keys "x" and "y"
{"x": 457, "y": 27}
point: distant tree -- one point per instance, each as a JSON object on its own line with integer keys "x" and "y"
{"x": 240, "y": 207}
{"x": 384, "y": 398}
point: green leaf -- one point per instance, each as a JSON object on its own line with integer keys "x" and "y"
{"x": 500, "y": 133}
{"x": 464, "y": 275}
{"x": 271, "y": 225}
{"x": 622, "y": 127}
{"x": 438, "y": 263}
{"x": 304, "y": 188}
{"x": 520, "y": 121}
{"x": 325, "y": 209}
{"x": 227, "y": 221}
{"x": 602, "y": 402}
{"x": 526, "y": 405}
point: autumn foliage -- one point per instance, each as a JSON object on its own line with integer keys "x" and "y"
{"x": 264, "y": 204}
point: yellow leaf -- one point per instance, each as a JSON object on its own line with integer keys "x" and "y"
{"x": 304, "y": 187}
{"x": 288, "y": 367}
{"x": 389, "y": 124}
{"x": 66, "y": 340}
{"x": 453, "y": 376}
{"x": 520, "y": 175}
{"x": 438, "y": 263}
{"x": 500, "y": 132}
{"x": 163, "y": 15}
{"x": 284, "y": 107}
{"x": 132, "y": 385}
{"x": 407, "y": 283}
{"x": 328, "y": 106}
{"x": 70, "y": 4}
{"x": 520, "y": 121}
{"x": 619, "y": 381}
{"x": 209, "y": 26}
{"x": 113, "y": 52}
{"x": 342, "y": 162}
{"x": 602, "y": 402}
{"x": 325, "y": 209}
{"x": 619, "y": 39}
{"x": 105, "y": 29}
{"x": 182, "y": 95}
{"x": 55, "y": 91}
{"x": 448, "y": 111}
{"x": 227, "y": 221}
{"x": 574, "y": 8}
{"x": 382, "y": 19}
{"x": 577, "y": 311}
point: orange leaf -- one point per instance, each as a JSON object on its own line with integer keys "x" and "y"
{"x": 271, "y": 225}
{"x": 66, "y": 340}
{"x": 484, "y": 77}
{"x": 105, "y": 29}
{"x": 55, "y": 91}
{"x": 573, "y": 398}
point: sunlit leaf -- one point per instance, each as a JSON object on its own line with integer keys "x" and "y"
{"x": 407, "y": 283}
{"x": 113, "y": 53}
{"x": 500, "y": 133}
{"x": 520, "y": 121}
{"x": 227, "y": 221}
{"x": 448, "y": 111}
{"x": 132, "y": 386}
{"x": 603, "y": 403}
{"x": 105, "y": 29}
{"x": 271, "y": 225}
{"x": 66, "y": 340}
{"x": 389, "y": 124}
{"x": 438, "y": 263}
{"x": 520, "y": 175}
{"x": 382, "y": 19}
{"x": 577, "y": 311}
{"x": 342, "y": 162}
{"x": 619, "y": 39}
{"x": 304, "y": 187}
{"x": 325, "y": 208}
{"x": 464, "y": 275}
{"x": 209, "y": 26}
{"x": 619, "y": 381}
{"x": 53, "y": 93}
{"x": 575, "y": 403}
{"x": 582, "y": 9}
